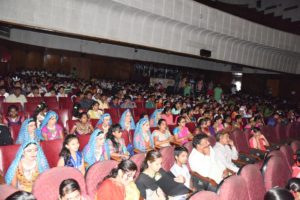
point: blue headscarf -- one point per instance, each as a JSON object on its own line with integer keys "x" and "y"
{"x": 123, "y": 117}
{"x": 44, "y": 123}
{"x": 89, "y": 150}
{"x": 138, "y": 138}
{"x": 154, "y": 116}
{"x": 24, "y": 134}
{"x": 41, "y": 161}
{"x": 102, "y": 119}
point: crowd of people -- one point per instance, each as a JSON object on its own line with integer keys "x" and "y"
{"x": 214, "y": 114}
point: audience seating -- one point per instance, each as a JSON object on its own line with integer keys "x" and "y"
{"x": 50, "y": 99}
{"x": 233, "y": 188}
{"x": 114, "y": 114}
{"x": 52, "y": 149}
{"x": 53, "y": 105}
{"x": 167, "y": 157}
{"x": 14, "y": 131}
{"x": 191, "y": 126}
{"x": 6, "y": 190}
{"x": 138, "y": 160}
{"x": 149, "y": 111}
{"x": 287, "y": 151}
{"x": 69, "y": 125}
{"x": 30, "y": 106}
{"x": 63, "y": 115}
{"x": 46, "y": 186}
{"x": 189, "y": 146}
{"x": 94, "y": 122}
{"x": 83, "y": 140}
{"x": 65, "y": 103}
{"x": 254, "y": 181}
{"x": 35, "y": 99}
{"x": 275, "y": 172}
{"x": 125, "y": 136}
{"x": 7, "y": 155}
{"x": 295, "y": 146}
{"x": 96, "y": 173}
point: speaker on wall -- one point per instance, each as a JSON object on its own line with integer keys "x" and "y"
{"x": 205, "y": 53}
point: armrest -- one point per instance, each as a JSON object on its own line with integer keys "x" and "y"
{"x": 205, "y": 179}
{"x": 176, "y": 143}
{"x": 116, "y": 158}
{"x": 250, "y": 155}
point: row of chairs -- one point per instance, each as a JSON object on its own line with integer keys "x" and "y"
{"x": 249, "y": 184}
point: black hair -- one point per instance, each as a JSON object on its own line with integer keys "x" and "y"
{"x": 255, "y": 129}
{"x": 217, "y": 118}
{"x": 166, "y": 109}
{"x": 65, "y": 153}
{"x": 21, "y": 195}
{"x": 151, "y": 157}
{"x": 68, "y": 186}
{"x": 76, "y": 109}
{"x": 93, "y": 104}
{"x": 160, "y": 121}
{"x": 111, "y": 130}
{"x": 278, "y": 194}
{"x": 39, "y": 109}
{"x": 293, "y": 185}
{"x": 125, "y": 166}
{"x": 178, "y": 150}
{"x": 202, "y": 121}
{"x": 143, "y": 115}
{"x": 83, "y": 113}
{"x": 183, "y": 111}
{"x": 197, "y": 139}
{"x": 12, "y": 107}
{"x": 179, "y": 119}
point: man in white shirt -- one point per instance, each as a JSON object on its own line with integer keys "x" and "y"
{"x": 16, "y": 97}
{"x": 225, "y": 151}
{"x": 203, "y": 161}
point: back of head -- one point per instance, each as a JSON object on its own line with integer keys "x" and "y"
{"x": 197, "y": 139}
{"x": 68, "y": 186}
{"x": 278, "y": 194}
{"x": 21, "y": 195}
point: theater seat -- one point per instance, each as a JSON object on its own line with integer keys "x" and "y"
{"x": 6, "y": 190}
{"x": 50, "y": 99}
{"x": 167, "y": 157}
{"x": 125, "y": 136}
{"x": 275, "y": 172}
{"x": 69, "y": 124}
{"x": 7, "y": 155}
{"x": 63, "y": 115}
{"x": 30, "y": 106}
{"x": 114, "y": 114}
{"x": 287, "y": 151}
{"x": 295, "y": 146}
{"x": 189, "y": 146}
{"x": 138, "y": 159}
{"x": 191, "y": 126}
{"x": 96, "y": 173}
{"x": 46, "y": 186}
{"x": 83, "y": 140}
{"x": 52, "y": 149}
{"x": 254, "y": 181}
{"x": 233, "y": 188}
{"x": 53, "y": 105}
{"x": 204, "y": 195}
{"x": 34, "y": 99}
{"x": 14, "y": 131}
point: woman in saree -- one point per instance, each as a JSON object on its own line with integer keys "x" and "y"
{"x": 155, "y": 117}
{"x": 142, "y": 140}
{"x": 104, "y": 122}
{"x": 50, "y": 129}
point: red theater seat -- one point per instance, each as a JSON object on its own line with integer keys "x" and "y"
{"x": 52, "y": 149}
{"x": 34, "y": 99}
{"x": 50, "y": 99}
{"x": 167, "y": 157}
{"x": 63, "y": 115}
{"x": 14, "y": 131}
{"x": 138, "y": 159}
{"x": 254, "y": 181}
{"x": 65, "y": 103}
{"x": 70, "y": 124}
{"x": 30, "y": 106}
{"x": 96, "y": 173}
{"x": 83, "y": 140}
{"x": 191, "y": 126}
{"x": 189, "y": 146}
{"x": 53, "y": 105}
{"x": 46, "y": 186}
{"x": 233, "y": 188}
{"x": 6, "y": 190}
{"x": 114, "y": 114}
{"x": 7, "y": 155}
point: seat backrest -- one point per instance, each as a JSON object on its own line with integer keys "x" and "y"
{"x": 125, "y": 136}
{"x": 69, "y": 124}
{"x": 5, "y": 106}
{"x": 150, "y": 111}
{"x": 114, "y": 114}
{"x": 6, "y": 190}
{"x": 167, "y": 157}
{"x": 254, "y": 181}
{"x": 191, "y": 126}
{"x": 34, "y": 99}
{"x": 94, "y": 122}
{"x": 233, "y": 188}
{"x": 138, "y": 159}
{"x": 212, "y": 140}
{"x": 171, "y": 128}
{"x": 96, "y": 173}
{"x": 189, "y": 146}
{"x": 276, "y": 172}
{"x": 53, "y": 105}
{"x": 30, "y": 106}
{"x": 14, "y": 131}
{"x": 63, "y": 115}
{"x": 51, "y": 150}
{"x": 240, "y": 141}
{"x": 83, "y": 140}
{"x": 65, "y": 103}
{"x": 50, "y": 99}
{"x": 205, "y": 195}
{"x": 287, "y": 151}
{"x": 46, "y": 186}
{"x": 7, "y": 155}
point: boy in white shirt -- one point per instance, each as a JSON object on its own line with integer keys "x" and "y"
{"x": 180, "y": 168}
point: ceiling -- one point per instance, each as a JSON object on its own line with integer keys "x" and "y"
{"x": 280, "y": 14}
